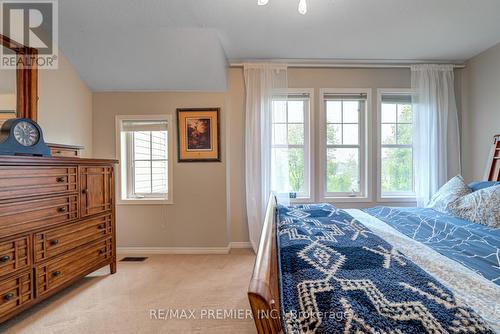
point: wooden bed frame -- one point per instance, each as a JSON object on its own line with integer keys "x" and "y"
{"x": 264, "y": 290}
{"x": 494, "y": 165}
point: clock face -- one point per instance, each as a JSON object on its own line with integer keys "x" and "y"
{"x": 26, "y": 133}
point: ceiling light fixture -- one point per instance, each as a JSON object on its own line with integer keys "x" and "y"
{"x": 302, "y": 5}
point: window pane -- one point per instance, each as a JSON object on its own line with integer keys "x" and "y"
{"x": 333, "y": 111}
{"x": 159, "y": 171}
{"x": 342, "y": 170}
{"x": 279, "y": 112}
{"x": 388, "y": 133}
{"x": 288, "y": 177}
{"x": 296, "y": 169}
{"x": 351, "y": 134}
{"x": 404, "y": 134}
{"x": 333, "y": 134}
{"x": 351, "y": 111}
{"x": 388, "y": 113}
{"x": 279, "y": 134}
{"x": 279, "y": 180}
{"x": 142, "y": 177}
{"x": 159, "y": 145}
{"x": 142, "y": 148}
{"x": 404, "y": 113}
{"x": 296, "y": 134}
{"x": 295, "y": 111}
{"x": 397, "y": 170}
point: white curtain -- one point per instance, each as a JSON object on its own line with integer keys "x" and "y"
{"x": 436, "y": 148}
{"x": 262, "y": 82}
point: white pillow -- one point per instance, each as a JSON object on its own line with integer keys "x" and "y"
{"x": 481, "y": 206}
{"x": 451, "y": 191}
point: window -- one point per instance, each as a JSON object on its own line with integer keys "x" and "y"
{"x": 396, "y": 152}
{"x": 144, "y": 157}
{"x": 344, "y": 150}
{"x": 291, "y": 143}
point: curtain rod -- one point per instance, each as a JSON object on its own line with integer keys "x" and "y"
{"x": 346, "y": 64}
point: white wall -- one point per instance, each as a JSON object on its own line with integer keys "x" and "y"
{"x": 481, "y": 116}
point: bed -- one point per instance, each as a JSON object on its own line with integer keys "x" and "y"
{"x": 376, "y": 270}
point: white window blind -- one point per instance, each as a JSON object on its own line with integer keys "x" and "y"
{"x": 145, "y": 155}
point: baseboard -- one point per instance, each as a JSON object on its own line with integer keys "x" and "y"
{"x": 240, "y": 244}
{"x": 172, "y": 250}
{"x": 183, "y": 250}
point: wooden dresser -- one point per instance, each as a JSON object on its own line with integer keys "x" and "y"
{"x": 57, "y": 224}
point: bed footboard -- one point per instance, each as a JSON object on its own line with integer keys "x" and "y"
{"x": 263, "y": 291}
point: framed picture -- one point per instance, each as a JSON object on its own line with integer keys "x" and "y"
{"x": 198, "y": 135}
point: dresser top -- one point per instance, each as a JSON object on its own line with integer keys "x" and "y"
{"x": 29, "y": 160}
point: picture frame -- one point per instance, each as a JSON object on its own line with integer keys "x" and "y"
{"x": 198, "y": 135}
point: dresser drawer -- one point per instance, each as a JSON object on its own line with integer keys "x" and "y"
{"x": 22, "y": 181}
{"x": 67, "y": 267}
{"x": 14, "y": 255}
{"x": 25, "y": 216}
{"x": 15, "y": 292}
{"x": 59, "y": 240}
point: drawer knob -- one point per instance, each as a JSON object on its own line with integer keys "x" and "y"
{"x": 101, "y": 226}
{"x": 62, "y": 209}
{"x": 5, "y": 258}
{"x": 54, "y": 242}
{"x": 56, "y": 273}
{"x": 8, "y": 296}
{"x": 85, "y": 191}
{"x": 61, "y": 179}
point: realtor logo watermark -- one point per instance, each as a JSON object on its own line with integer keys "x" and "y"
{"x": 32, "y": 24}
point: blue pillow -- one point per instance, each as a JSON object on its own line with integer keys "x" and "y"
{"x": 475, "y": 186}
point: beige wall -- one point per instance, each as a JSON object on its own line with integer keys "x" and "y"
{"x": 65, "y": 107}
{"x": 64, "y": 104}
{"x": 198, "y": 217}
{"x": 481, "y": 116}
{"x": 211, "y": 211}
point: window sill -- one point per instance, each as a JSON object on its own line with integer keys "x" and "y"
{"x": 144, "y": 201}
{"x": 397, "y": 199}
{"x": 347, "y": 199}
{"x": 301, "y": 200}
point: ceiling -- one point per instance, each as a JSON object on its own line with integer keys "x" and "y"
{"x": 186, "y": 44}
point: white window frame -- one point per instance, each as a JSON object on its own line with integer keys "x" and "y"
{"x": 365, "y": 178}
{"x": 308, "y": 145}
{"x": 124, "y": 172}
{"x": 392, "y": 197}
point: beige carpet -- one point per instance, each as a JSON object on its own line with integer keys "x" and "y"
{"x": 201, "y": 285}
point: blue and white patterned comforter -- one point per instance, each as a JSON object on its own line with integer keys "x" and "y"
{"x": 337, "y": 276}
{"x": 475, "y": 246}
